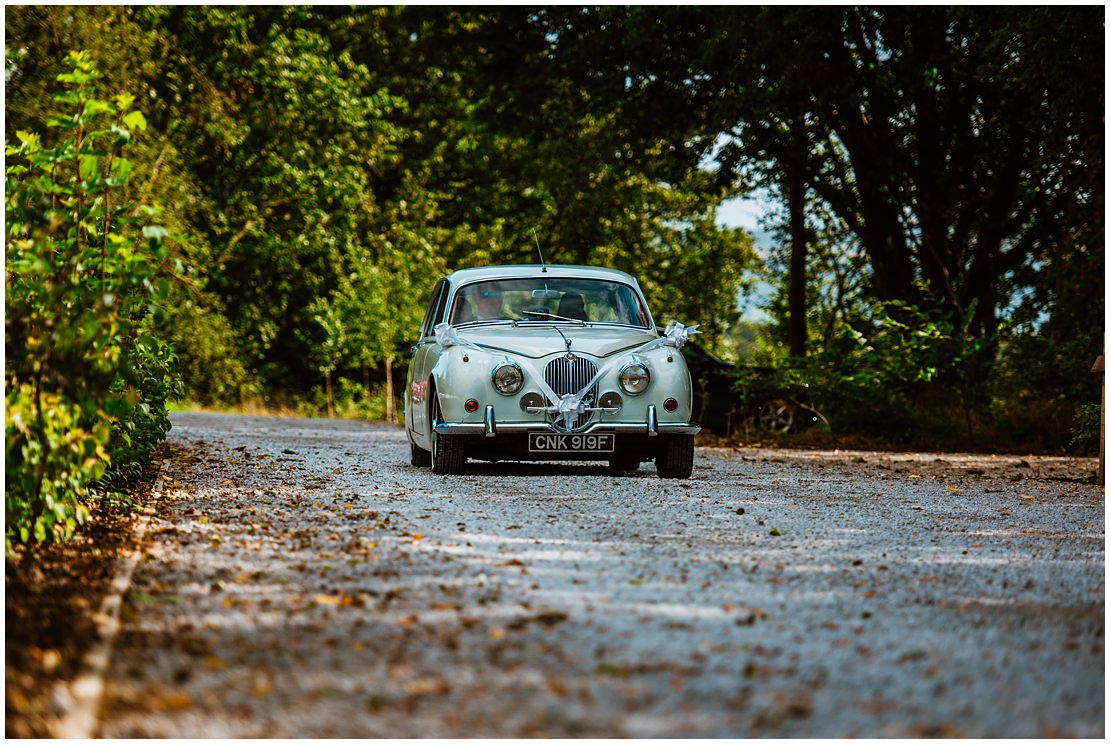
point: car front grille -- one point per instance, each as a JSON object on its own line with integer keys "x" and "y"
{"x": 570, "y": 376}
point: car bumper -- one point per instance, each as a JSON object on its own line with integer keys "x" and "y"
{"x": 490, "y": 427}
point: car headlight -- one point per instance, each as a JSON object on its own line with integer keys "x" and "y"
{"x": 507, "y": 378}
{"x": 634, "y": 378}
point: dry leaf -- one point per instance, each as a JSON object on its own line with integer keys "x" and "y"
{"x": 175, "y": 701}
{"x": 427, "y": 687}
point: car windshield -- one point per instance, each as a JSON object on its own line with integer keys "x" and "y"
{"x": 547, "y": 300}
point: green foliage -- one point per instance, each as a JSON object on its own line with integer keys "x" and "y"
{"x": 319, "y": 167}
{"x": 876, "y": 379}
{"x": 86, "y": 378}
{"x": 141, "y": 422}
{"x": 209, "y": 356}
{"x": 1088, "y": 425}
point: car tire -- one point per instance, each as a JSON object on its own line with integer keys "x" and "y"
{"x": 420, "y": 458}
{"x": 448, "y": 453}
{"x": 676, "y": 460}
{"x": 624, "y": 464}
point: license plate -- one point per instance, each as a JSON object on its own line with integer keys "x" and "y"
{"x": 558, "y": 443}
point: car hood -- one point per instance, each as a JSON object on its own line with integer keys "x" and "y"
{"x": 541, "y": 340}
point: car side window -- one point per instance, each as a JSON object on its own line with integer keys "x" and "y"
{"x": 437, "y": 316}
{"x": 438, "y": 295}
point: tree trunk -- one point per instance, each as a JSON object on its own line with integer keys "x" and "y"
{"x": 796, "y": 195}
{"x": 327, "y": 389}
{"x": 390, "y": 413}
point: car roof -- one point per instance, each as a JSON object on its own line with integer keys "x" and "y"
{"x": 520, "y": 271}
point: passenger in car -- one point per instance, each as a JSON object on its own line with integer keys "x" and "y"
{"x": 572, "y": 306}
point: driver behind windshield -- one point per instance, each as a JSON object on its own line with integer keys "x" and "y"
{"x": 487, "y": 301}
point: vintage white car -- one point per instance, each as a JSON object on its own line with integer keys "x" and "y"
{"x": 547, "y": 363}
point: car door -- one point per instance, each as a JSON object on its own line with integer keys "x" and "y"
{"x": 416, "y": 391}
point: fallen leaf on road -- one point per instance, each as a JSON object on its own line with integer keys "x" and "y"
{"x": 175, "y": 701}
{"x": 549, "y": 617}
{"x": 612, "y": 669}
{"x": 876, "y": 705}
{"x": 433, "y": 686}
{"x": 555, "y": 687}
{"x": 446, "y": 606}
{"x": 261, "y": 687}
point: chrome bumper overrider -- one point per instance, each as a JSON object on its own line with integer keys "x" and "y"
{"x": 491, "y": 427}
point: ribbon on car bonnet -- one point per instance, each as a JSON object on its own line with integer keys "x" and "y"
{"x": 570, "y": 406}
{"x": 677, "y": 335}
{"x": 447, "y": 335}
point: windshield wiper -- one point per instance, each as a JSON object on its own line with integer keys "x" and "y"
{"x": 552, "y": 316}
{"x": 488, "y": 321}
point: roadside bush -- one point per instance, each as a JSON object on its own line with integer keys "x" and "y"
{"x": 87, "y": 377}
{"x": 210, "y": 357}
{"x": 910, "y": 371}
{"x": 1088, "y": 420}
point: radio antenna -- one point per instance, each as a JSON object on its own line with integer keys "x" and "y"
{"x": 536, "y": 238}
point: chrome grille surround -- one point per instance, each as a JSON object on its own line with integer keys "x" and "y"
{"x": 570, "y": 375}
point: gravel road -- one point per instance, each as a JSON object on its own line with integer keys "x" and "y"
{"x": 302, "y": 580}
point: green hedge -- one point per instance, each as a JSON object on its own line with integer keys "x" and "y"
{"x": 87, "y": 375}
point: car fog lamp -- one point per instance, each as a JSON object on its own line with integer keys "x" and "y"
{"x": 611, "y": 399}
{"x": 472, "y": 405}
{"x": 670, "y": 404}
{"x": 507, "y": 378}
{"x": 634, "y": 378}
{"x": 531, "y": 400}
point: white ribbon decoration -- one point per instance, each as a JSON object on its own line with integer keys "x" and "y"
{"x": 677, "y": 335}
{"x": 447, "y": 336}
{"x": 570, "y": 406}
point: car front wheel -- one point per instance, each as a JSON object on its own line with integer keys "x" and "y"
{"x": 677, "y": 458}
{"x": 448, "y": 453}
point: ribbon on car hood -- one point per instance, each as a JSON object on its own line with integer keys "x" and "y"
{"x": 570, "y": 406}
{"x": 677, "y": 335}
{"x": 447, "y": 336}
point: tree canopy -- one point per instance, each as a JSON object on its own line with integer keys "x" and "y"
{"x": 318, "y": 167}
